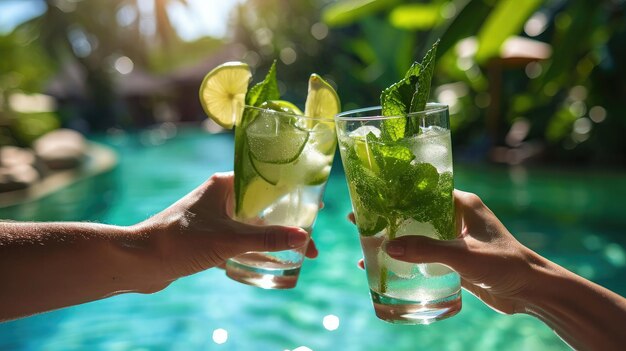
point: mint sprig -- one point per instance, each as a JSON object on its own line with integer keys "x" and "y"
{"x": 408, "y": 95}
{"x": 396, "y": 101}
{"x": 264, "y": 91}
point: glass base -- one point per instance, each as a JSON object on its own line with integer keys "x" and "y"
{"x": 415, "y": 312}
{"x": 262, "y": 277}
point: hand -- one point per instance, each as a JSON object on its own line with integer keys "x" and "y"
{"x": 492, "y": 264}
{"x": 198, "y": 232}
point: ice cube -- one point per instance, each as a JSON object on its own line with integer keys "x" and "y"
{"x": 311, "y": 164}
{"x": 433, "y": 151}
{"x": 363, "y": 131}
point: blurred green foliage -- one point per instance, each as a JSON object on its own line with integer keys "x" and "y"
{"x": 571, "y": 100}
{"x": 557, "y": 92}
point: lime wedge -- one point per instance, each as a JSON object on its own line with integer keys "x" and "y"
{"x": 270, "y": 172}
{"x": 223, "y": 92}
{"x": 281, "y": 106}
{"x": 274, "y": 139}
{"x": 365, "y": 154}
{"x": 322, "y": 100}
{"x": 257, "y": 196}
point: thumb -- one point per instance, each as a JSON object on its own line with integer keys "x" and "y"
{"x": 266, "y": 238}
{"x": 422, "y": 249}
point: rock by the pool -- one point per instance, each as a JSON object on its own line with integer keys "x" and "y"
{"x": 61, "y": 149}
{"x": 17, "y": 168}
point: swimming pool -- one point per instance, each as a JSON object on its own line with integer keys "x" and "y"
{"x": 570, "y": 217}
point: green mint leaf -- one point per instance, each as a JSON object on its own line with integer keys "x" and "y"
{"x": 368, "y": 222}
{"x": 444, "y": 220}
{"x": 408, "y": 95}
{"x": 415, "y": 70}
{"x": 395, "y": 101}
{"x": 393, "y": 159}
{"x": 264, "y": 91}
{"x": 419, "y": 98}
{"x": 365, "y": 185}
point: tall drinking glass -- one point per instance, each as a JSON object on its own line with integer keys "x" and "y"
{"x": 399, "y": 173}
{"x": 282, "y": 163}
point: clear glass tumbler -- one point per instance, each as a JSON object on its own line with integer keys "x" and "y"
{"x": 399, "y": 173}
{"x": 282, "y": 163}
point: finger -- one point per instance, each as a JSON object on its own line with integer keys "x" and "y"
{"x": 361, "y": 264}
{"x": 265, "y": 238}
{"x": 215, "y": 195}
{"x": 478, "y": 220}
{"x": 422, "y": 249}
{"x": 311, "y": 250}
{"x": 321, "y": 205}
{"x": 351, "y": 218}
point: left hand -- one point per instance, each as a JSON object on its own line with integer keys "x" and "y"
{"x": 198, "y": 232}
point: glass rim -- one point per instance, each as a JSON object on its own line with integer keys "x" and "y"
{"x": 432, "y": 108}
{"x": 288, "y": 114}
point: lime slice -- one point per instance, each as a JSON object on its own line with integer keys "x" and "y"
{"x": 322, "y": 100}
{"x": 273, "y": 139}
{"x": 311, "y": 168}
{"x": 257, "y": 196}
{"x": 223, "y": 92}
{"x": 270, "y": 172}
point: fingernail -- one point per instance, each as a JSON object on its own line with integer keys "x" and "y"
{"x": 297, "y": 238}
{"x": 394, "y": 249}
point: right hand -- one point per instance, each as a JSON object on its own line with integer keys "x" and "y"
{"x": 493, "y": 265}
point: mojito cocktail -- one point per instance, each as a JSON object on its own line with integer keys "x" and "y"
{"x": 402, "y": 187}
{"x": 282, "y": 161}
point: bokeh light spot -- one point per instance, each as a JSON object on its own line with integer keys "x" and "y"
{"x": 220, "y": 336}
{"x": 533, "y": 70}
{"x": 124, "y": 65}
{"x": 330, "y": 322}
{"x": 449, "y": 10}
{"x": 615, "y": 254}
{"x": 578, "y": 93}
{"x": 578, "y": 108}
{"x": 288, "y": 55}
{"x": 597, "y": 114}
{"x": 319, "y": 31}
{"x": 536, "y": 24}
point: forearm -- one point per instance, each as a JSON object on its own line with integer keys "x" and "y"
{"x": 44, "y": 266}
{"x": 585, "y": 315}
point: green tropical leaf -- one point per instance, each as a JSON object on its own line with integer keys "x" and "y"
{"x": 415, "y": 16}
{"x": 349, "y": 11}
{"x": 507, "y": 19}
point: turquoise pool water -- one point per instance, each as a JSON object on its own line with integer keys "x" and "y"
{"x": 574, "y": 218}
